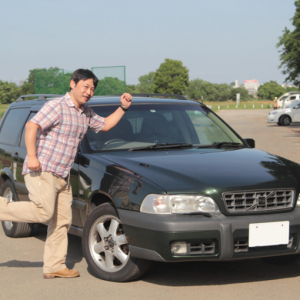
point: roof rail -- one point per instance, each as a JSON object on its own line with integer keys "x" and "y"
{"x": 178, "y": 97}
{"x": 41, "y": 97}
{"x": 173, "y": 96}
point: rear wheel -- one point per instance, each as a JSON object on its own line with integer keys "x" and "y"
{"x": 14, "y": 229}
{"x": 285, "y": 120}
{"x": 105, "y": 247}
{"x": 281, "y": 260}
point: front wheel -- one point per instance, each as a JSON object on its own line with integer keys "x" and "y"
{"x": 285, "y": 120}
{"x": 14, "y": 229}
{"x": 105, "y": 247}
{"x": 281, "y": 260}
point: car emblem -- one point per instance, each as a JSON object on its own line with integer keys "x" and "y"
{"x": 260, "y": 200}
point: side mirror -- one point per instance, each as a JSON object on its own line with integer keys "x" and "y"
{"x": 250, "y": 143}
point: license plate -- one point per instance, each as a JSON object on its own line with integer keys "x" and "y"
{"x": 269, "y": 234}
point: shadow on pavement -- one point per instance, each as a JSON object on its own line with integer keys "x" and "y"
{"x": 217, "y": 273}
{"x": 22, "y": 264}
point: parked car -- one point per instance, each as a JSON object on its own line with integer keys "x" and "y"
{"x": 290, "y": 100}
{"x": 285, "y": 116}
{"x": 282, "y": 98}
{"x": 172, "y": 182}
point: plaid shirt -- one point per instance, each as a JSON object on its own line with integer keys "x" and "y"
{"x": 63, "y": 126}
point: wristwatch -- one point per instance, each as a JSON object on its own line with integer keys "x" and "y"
{"x": 124, "y": 109}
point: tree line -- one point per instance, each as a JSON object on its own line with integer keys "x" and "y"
{"x": 172, "y": 77}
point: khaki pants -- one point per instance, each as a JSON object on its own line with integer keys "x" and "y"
{"x": 51, "y": 200}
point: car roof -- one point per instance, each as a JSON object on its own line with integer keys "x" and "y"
{"x": 104, "y": 100}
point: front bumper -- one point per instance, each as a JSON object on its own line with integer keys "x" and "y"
{"x": 273, "y": 118}
{"x": 150, "y": 236}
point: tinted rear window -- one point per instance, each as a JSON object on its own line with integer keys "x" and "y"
{"x": 13, "y": 125}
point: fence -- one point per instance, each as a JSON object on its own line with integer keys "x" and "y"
{"x": 112, "y": 80}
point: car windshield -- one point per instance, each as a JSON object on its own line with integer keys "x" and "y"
{"x": 172, "y": 125}
{"x": 282, "y": 98}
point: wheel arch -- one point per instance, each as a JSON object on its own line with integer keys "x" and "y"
{"x": 6, "y": 174}
{"x": 286, "y": 115}
{"x": 99, "y": 198}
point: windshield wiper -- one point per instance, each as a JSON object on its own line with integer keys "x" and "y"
{"x": 162, "y": 146}
{"x": 222, "y": 144}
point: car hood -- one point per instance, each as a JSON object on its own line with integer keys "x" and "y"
{"x": 209, "y": 170}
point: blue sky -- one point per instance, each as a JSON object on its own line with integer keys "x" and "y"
{"x": 217, "y": 40}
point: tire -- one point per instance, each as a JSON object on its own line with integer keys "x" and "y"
{"x": 278, "y": 124}
{"x": 281, "y": 260}
{"x": 14, "y": 229}
{"x": 106, "y": 249}
{"x": 285, "y": 120}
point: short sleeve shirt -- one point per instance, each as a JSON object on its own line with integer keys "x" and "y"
{"x": 63, "y": 126}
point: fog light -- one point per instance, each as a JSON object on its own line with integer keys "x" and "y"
{"x": 179, "y": 248}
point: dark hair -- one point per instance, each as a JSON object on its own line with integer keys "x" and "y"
{"x": 84, "y": 74}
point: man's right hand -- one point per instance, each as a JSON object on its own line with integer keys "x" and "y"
{"x": 33, "y": 164}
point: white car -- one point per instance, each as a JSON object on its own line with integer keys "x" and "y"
{"x": 291, "y": 100}
{"x": 281, "y": 99}
{"x": 285, "y": 116}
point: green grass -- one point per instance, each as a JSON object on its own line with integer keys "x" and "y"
{"x": 253, "y": 104}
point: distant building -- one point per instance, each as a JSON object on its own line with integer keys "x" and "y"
{"x": 252, "y": 86}
{"x": 236, "y": 84}
{"x": 21, "y": 82}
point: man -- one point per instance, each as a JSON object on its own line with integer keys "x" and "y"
{"x": 52, "y": 137}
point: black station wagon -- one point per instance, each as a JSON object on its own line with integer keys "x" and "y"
{"x": 171, "y": 182}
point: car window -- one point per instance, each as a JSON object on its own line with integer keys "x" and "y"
{"x": 22, "y": 142}
{"x": 12, "y": 125}
{"x": 145, "y": 124}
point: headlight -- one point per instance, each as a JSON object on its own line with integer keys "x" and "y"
{"x": 273, "y": 112}
{"x": 298, "y": 200}
{"x": 178, "y": 204}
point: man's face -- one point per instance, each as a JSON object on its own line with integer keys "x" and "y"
{"x": 82, "y": 92}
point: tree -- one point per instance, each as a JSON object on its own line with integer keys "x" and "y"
{"x": 290, "y": 50}
{"x": 131, "y": 88}
{"x": 49, "y": 81}
{"x": 210, "y": 91}
{"x": 146, "y": 83}
{"x": 270, "y": 90}
{"x": 43, "y": 81}
{"x": 9, "y": 92}
{"x": 171, "y": 78}
{"x": 244, "y": 94}
{"x": 110, "y": 86}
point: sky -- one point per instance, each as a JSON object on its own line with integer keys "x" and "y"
{"x": 219, "y": 41}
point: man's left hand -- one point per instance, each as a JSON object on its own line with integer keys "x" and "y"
{"x": 126, "y": 100}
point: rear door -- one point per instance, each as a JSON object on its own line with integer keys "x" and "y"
{"x": 11, "y": 130}
{"x": 296, "y": 113}
{"x": 20, "y": 153}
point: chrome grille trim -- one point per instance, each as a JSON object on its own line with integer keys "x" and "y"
{"x": 247, "y": 202}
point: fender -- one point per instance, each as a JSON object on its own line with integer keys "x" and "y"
{"x": 7, "y": 171}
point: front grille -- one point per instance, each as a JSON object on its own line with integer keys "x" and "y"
{"x": 241, "y": 245}
{"x": 201, "y": 247}
{"x": 257, "y": 201}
